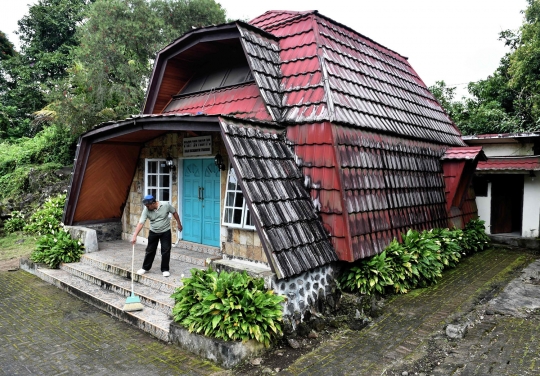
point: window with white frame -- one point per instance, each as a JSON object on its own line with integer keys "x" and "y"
{"x": 236, "y": 213}
{"x": 157, "y": 179}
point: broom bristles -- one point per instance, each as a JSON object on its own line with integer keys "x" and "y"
{"x": 133, "y": 303}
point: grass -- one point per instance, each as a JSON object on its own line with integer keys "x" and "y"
{"x": 16, "y": 245}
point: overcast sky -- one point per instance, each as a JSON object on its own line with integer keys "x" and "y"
{"x": 452, "y": 40}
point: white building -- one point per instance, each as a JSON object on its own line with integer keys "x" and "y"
{"x": 507, "y": 185}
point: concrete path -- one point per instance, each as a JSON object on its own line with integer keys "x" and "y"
{"x": 44, "y": 331}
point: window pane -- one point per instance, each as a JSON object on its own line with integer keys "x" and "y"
{"x": 236, "y": 75}
{"x": 152, "y": 180}
{"x": 248, "y": 218}
{"x": 152, "y": 167}
{"x": 163, "y": 168}
{"x": 164, "y": 181}
{"x": 164, "y": 193}
{"x": 237, "y": 218}
{"x": 232, "y": 181}
{"x": 152, "y": 192}
{"x": 230, "y": 199}
{"x": 228, "y": 215}
{"x": 239, "y": 200}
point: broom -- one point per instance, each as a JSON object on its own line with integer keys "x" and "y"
{"x": 133, "y": 303}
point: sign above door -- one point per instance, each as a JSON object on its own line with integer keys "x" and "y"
{"x": 197, "y": 146}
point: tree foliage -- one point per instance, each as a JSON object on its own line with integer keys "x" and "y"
{"x": 509, "y": 99}
{"x": 47, "y": 36}
{"x": 114, "y": 60}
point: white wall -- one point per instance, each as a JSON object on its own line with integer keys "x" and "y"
{"x": 484, "y": 209}
{"x": 507, "y": 150}
{"x": 531, "y": 207}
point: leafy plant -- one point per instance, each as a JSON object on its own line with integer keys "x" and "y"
{"x": 47, "y": 219}
{"x": 475, "y": 238}
{"x": 372, "y": 275}
{"x": 15, "y": 223}
{"x": 424, "y": 250}
{"x": 450, "y": 245}
{"x": 57, "y": 247}
{"x": 415, "y": 262}
{"x": 231, "y": 306}
{"x": 399, "y": 261}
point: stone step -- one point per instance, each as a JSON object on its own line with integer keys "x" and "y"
{"x": 149, "y": 319}
{"x": 152, "y": 279}
{"x": 157, "y": 298}
{"x": 196, "y": 247}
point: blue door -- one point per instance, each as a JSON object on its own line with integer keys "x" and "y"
{"x": 201, "y": 191}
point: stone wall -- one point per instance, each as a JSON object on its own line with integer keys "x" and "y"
{"x": 106, "y": 232}
{"x": 242, "y": 244}
{"x": 314, "y": 290}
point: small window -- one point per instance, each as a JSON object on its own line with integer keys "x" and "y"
{"x": 236, "y": 213}
{"x": 157, "y": 179}
{"x": 480, "y": 185}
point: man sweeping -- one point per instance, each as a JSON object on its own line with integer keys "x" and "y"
{"x": 160, "y": 231}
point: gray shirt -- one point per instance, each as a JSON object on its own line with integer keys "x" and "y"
{"x": 159, "y": 218}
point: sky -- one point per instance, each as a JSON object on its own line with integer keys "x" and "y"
{"x": 452, "y": 40}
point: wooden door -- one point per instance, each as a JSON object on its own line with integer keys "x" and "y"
{"x": 506, "y": 203}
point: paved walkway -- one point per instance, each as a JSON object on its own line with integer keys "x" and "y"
{"x": 45, "y": 331}
{"x": 404, "y": 334}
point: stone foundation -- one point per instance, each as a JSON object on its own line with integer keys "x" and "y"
{"x": 315, "y": 290}
{"x": 106, "y": 232}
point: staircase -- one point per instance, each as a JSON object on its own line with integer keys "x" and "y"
{"x": 103, "y": 279}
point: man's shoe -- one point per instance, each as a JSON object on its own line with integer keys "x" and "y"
{"x": 166, "y": 274}
{"x": 141, "y": 271}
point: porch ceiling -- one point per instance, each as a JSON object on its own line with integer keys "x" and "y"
{"x": 107, "y": 159}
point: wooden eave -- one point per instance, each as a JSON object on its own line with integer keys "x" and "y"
{"x": 127, "y": 137}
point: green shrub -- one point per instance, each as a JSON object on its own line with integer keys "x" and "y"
{"x": 450, "y": 242}
{"x": 403, "y": 270}
{"x": 231, "y": 306}
{"x": 15, "y": 223}
{"x": 425, "y": 257}
{"x": 416, "y": 262}
{"x": 47, "y": 219}
{"x": 50, "y": 149}
{"x": 475, "y": 238}
{"x": 57, "y": 247}
{"x": 372, "y": 275}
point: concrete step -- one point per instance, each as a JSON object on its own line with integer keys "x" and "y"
{"x": 156, "y": 298}
{"x": 149, "y": 319}
{"x": 153, "y": 279}
{"x": 195, "y": 247}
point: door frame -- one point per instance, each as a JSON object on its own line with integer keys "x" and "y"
{"x": 180, "y": 185}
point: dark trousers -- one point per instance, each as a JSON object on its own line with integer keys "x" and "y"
{"x": 153, "y": 238}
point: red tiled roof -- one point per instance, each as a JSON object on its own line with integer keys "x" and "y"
{"x": 365, "y": 84}
{"x": 515, "y": 164}
{"x": 470, "y": 152}
{"x": 242, "y": 101}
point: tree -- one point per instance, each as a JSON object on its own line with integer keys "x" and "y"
{"x": 7, "y": 49}
{"x": 48, "y": 35}
{"x": 509, "y": 99}
{"x": 119, "y": 41}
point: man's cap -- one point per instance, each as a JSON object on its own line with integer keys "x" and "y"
{"x": 148, "y": 199}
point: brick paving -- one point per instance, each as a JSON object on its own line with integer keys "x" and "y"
{"x": 401, "y": 333}
{"x": 46, "y": 331}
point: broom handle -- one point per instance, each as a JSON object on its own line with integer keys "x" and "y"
{"x": 132, "y": 266}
